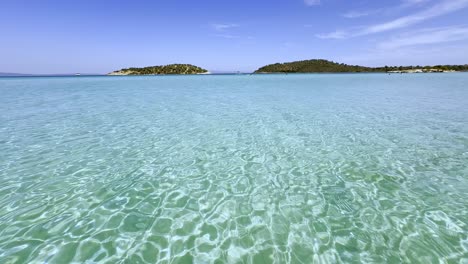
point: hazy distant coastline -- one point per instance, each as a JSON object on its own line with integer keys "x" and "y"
{"x": 7, "y": 74}
{"x": 10, "y": 74}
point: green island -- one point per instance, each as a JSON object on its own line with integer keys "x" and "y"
{"x": 325, "y": 66}
{"x": 163, "y": 69}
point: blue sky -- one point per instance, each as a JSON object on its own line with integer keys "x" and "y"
{"x": 101, "y": 36}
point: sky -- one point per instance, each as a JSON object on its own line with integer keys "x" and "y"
{"x": 56, "y": 36}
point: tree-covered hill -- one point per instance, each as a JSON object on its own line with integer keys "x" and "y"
{"x": 317, "y": 66}
{"x": 165, "y": 69}
{"x": 310, "y": 66}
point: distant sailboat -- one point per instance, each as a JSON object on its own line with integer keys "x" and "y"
{"x": 77, "y": 74}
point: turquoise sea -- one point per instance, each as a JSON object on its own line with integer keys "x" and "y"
{"x": 319, "y": 168}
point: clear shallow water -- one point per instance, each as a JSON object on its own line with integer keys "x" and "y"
{"x": 273, "y": 168}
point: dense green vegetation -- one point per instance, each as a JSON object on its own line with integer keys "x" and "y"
{"x": 436, "y": 67}
{"x": 165, "y": 69}
{"x": 307, "y": 66}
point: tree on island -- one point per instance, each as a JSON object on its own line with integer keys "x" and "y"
{"x": 165, "y": 69}
{"x": 317, "y": 66}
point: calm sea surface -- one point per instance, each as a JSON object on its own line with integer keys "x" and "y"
{"x": 357, "y": 168}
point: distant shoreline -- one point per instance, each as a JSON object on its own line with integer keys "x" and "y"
{"x": 326, "y": 66}
{"x": 314, "y": 66}
{"x": 51, "y": 75}
{"x": 369, "y": 72}
{"x": 220, "y": 74}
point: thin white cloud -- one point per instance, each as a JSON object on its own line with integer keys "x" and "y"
{"x": 442, "y": 45}
{"x": 413, "y": 2}
{"x": 227, "y": 36}
{"x": 425, "y": 37}
{"x": 410, "y": 55}
{"x": 312, "y": 2}
{"x": 356, "y": 14}
{"x": 443, "y": 7}
{"x": 338, "y": 34}
{"x": 228, "y": 31}
{"x": 398, "y": 8}
{"x": 223, "y": 27}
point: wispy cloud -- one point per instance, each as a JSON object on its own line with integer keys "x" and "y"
{"x": 338, "y": 34}
{"x": 443, "y": 7}
{"x": 425, "y": 37}
{"x": 224, "y": 30}
{"x": 422, "y": 46}
{"x": 413, "y": 2}
{"x": 227, "y": 36}
{"x": 312, "y": 2}
{"x": 223, "y": 27}
{"x": 410, "y": 55}
{"x": 356, "y": 14}
{"x": 397, "y": 8}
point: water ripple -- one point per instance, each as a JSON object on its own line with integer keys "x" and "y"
{"x": 234, "y": 169}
